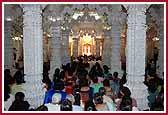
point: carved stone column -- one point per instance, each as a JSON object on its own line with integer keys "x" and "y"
{"x": 33, "y": 54}
{"x": 116, "y": 44}
{"x": 161, "y": 51}
{"x": 66, "y": 55}
{"x": 98, "y": 47}
{"x": 135, "y": 55}
{"x": 161, "y": 63}
{"x": 55, "y": 60}
{"x": 8, "y": 46}
{"x": 106, "y": 49}
{"x": 75, "y": 47}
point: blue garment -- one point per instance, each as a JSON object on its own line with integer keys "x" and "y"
{"x": 50, "y": 93}
{"x": 152, "y": 97}
{"x": 115, "y": 86}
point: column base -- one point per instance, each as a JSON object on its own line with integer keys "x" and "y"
{"x": 138, "y": 91}
{"x": 33, "y": 90}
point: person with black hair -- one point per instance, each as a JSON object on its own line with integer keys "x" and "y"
{"x": 19, "y": 104}
{"x": 58, "y": 88}
{"x": 115, "y": 84}
{"x": 125, "y": 92}
{"x": 41, "y": 108}
{"x": 126, "y": 104}
{"x": 86, "y": 92}
{"x": 106, "y": 71}
{"x": 54, "y": 105}
{"x": 66, "y": 105}
{"x": 18, "y": 84}
{"x": 100, "y": 105}
{"x": 96, "y": 85}
{"x": 89, "y": 106}
{"x": 108, "y": 90}
{"x": 75, "y": 107}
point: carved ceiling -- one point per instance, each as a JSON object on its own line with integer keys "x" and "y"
{"x": 86, "y": 22}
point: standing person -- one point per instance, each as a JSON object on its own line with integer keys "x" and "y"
{"x": 115, "y": 84}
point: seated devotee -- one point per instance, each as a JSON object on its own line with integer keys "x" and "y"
{"x": 8, "y": 97}
{"x": 55, "y": 103}
{"x": 153, "y": 92}
{"x": 126, "y": 104}
{"x": 124, "y": 91}
{"x": 86, "y": 93}
{"x": 106, "y": 72}
{"x": 17, "y": 86}
{"x": 89, "y": 106}
{"x": 40, "y": 108}
{"x": 19, "y": 75}
{"x": 19, "y": 104}
{"x": 96, "y": 85}
{"x": 46, "y": 84}
{"x": 100, "y": 105}
{"x": 158, "y": 105}
{"x": 8, "y": 76}
{"x": 66, "y": 105}
{"x": 108, "y": 90}
{"x": 106, "y": 99}
{"x": 69, "y": 86}
{"x": 75, "y": 107}
{"x": 58, "y": 88}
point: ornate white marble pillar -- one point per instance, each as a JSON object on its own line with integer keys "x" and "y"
{"x": 33, "y": 54}
{"x": 116, "y": 44}
{"x": 98, "y": 47}
{"x": 55, "y": 60}
{"x": 75, "y": 47}
{"x": 135, "y": 55}
{"x": 106, "y": 48}
{"x": 8, "y": 46}
{"x": 161, "y": 46}
{"x": 66, "y": 55}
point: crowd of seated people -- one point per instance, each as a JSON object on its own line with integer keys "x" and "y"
{"x": 74, "y": 87}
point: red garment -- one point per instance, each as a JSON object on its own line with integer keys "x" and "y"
{"x": 84, "y": 97}
{"x": 69, "y": 89}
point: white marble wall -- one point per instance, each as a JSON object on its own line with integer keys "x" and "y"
{"x": 135, "y": 55}
{"x": 161, "y": 63}
{"x": 33, "y": 54}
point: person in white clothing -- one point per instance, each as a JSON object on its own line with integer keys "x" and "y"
{"x": 71, "y": 98}
{"x": 55, "y": 104}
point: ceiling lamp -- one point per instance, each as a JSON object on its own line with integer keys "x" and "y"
{"x": 8, "y": 19}
{"x": 155, "y": 39}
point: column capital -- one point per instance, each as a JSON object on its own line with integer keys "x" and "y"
{"x": 32, "y": 7}
{"x": 133, "y": 8}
